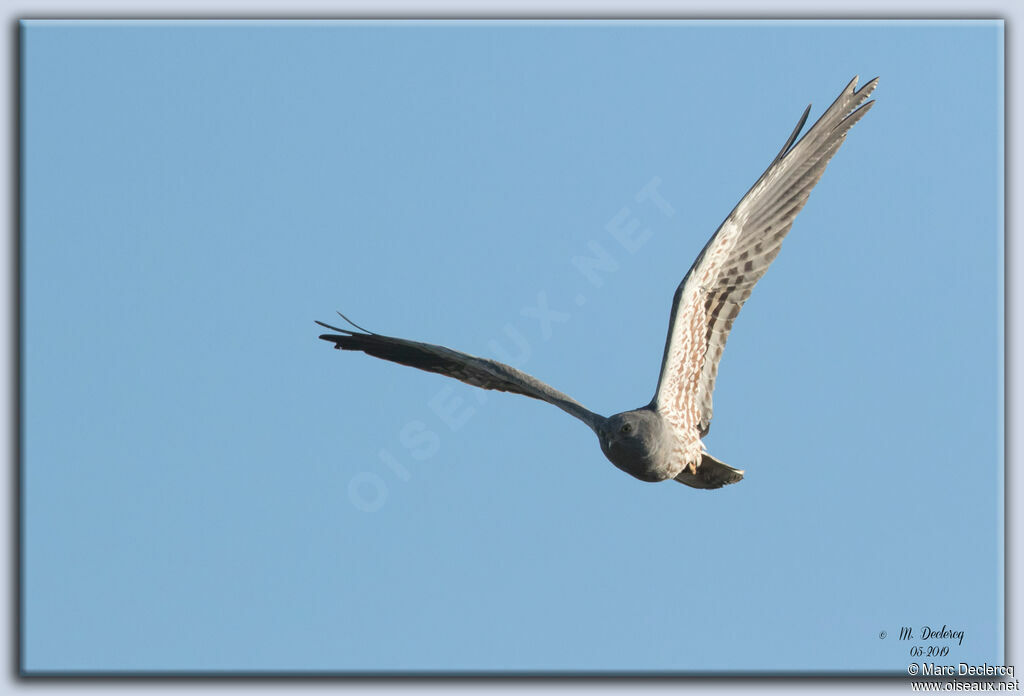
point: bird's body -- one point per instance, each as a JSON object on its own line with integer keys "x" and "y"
{"x": 663, "y": 440}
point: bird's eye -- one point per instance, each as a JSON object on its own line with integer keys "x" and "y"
{"x": 626, "y": 428}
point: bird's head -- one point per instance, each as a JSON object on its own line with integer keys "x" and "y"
{"x": 634, "y": 441}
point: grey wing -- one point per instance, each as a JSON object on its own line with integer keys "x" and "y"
{"x": 721, "y": 279}
{"x": 479, "y": 372}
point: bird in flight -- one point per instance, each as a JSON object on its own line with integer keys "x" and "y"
{"x": 663, "y": 440}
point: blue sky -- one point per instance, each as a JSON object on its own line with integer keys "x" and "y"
{"x": 208, "y": 487}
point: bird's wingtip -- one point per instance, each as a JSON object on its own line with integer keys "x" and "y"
{"x": 355, "y": 324}
{"x": 867, "y": 88}
{"x": 331, "y": 338}
{"x": 328, "y": 326}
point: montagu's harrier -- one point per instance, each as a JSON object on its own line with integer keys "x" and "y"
{"x": 662, "y": 440}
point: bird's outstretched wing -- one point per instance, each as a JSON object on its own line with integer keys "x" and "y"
{"x": 479, "y": 372}
{"x": 734, "y": 259}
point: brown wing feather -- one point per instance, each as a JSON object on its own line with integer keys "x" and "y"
{"x": 708, "y": 300}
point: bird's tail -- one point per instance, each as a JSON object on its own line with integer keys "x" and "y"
{"x": 710, "y": 474}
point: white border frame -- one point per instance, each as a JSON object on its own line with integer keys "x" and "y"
{"x": 1007, "y": 10}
